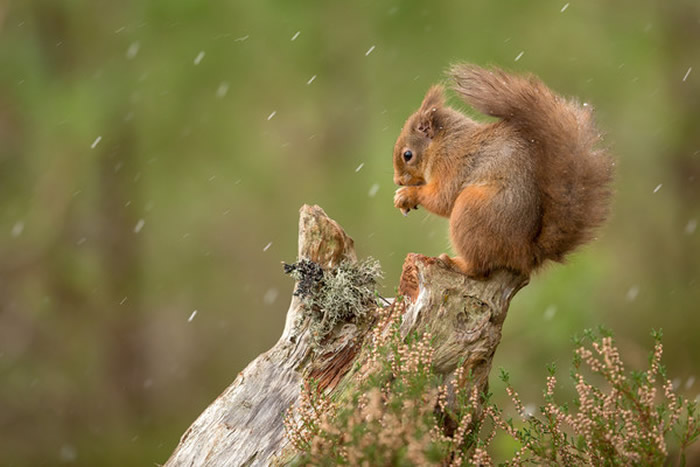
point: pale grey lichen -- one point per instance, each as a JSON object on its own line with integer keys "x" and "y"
{"x": 342, "y": 294}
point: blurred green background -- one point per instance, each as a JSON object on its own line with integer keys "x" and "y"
{"x": 153, "y": 157}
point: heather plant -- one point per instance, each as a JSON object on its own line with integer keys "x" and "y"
{"x": 404, "y": 413}
{"x": 629, "y": 418}
{"x": 394, "y": 418}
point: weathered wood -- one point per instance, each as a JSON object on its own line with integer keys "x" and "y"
{"x": 245, "y": 424}
{"x": 464, "y": 316}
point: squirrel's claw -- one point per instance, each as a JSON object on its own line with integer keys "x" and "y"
{"x": 405, "y": 200}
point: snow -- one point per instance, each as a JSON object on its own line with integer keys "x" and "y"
{"x": 194, "y": 313}
{"x": 687, "y": 73}
{"x": 68, "y": 454}
{"x": 689, "y": 382}
{"x": 17, "y": 229}
{"x": 550, "y": 312}
{"x": 96, "y": 142}
{"x": 563, "y": 9}
{"x": 139, "y": 225}
{"x": 199, "y": 57}
{"x": 269, "y": 117}
{"x": 311, "y": 80}
{"x": 519, "y": 56}
{"x": 296, "y": 34}
{"x": 373, "y": 190}
{"x": 133, "y": 50}
{"x": 658, "y": 187}
{"x": 369, "y": 51}
{"x": 270, "y": 296}
{"x": 222, "y": 90}
{"x": 359, "y": 167}
{"x": 267, "y": 247}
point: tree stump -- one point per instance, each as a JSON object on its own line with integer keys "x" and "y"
{"x": 244, "y": 426}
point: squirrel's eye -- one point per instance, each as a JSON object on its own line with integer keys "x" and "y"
{"x": 407, "y": 156}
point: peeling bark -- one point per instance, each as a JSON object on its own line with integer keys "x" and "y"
{"x": 245, "y": 424}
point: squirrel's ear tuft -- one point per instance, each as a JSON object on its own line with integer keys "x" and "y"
{"x": 434, "y": 98}
{"x": 429, "y": 111}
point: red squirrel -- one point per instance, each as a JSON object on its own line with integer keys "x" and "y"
{"x": 520, "y": 191}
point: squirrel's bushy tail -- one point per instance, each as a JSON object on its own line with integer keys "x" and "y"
{"x": 573, "y": 171}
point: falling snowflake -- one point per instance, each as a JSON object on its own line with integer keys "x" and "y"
{"x": 687, "y": 73}
{"x": 139, "y": 225}
{"x": 199, "y": 57}
{"x": 222, "y": 90}
{"x": 270, "y": 296}
{"x": 68, "y": 454}
{"x": 17, "y": 229}
{"x": 550, "y": 312}
{"x": 133, "y": 50}
{"x": 632, "y": 293}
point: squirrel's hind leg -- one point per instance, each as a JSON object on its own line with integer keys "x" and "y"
{"x": 491, "y": 227}
{"x": 461, "y": 265}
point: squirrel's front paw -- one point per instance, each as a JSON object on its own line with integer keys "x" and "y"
{"x": 405, "y": 199}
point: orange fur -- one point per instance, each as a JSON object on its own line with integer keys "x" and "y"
{"x": 478, "y": 194}
{"x": 528, "y": 188}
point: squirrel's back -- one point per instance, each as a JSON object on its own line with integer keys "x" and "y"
{"x": 572, "y": 171}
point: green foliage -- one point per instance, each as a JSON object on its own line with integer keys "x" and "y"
{"x": 341, "y": 294}
{"x": 400, "y": 414}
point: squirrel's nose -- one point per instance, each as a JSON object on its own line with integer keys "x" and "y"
{"x": 397, "y": 180}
